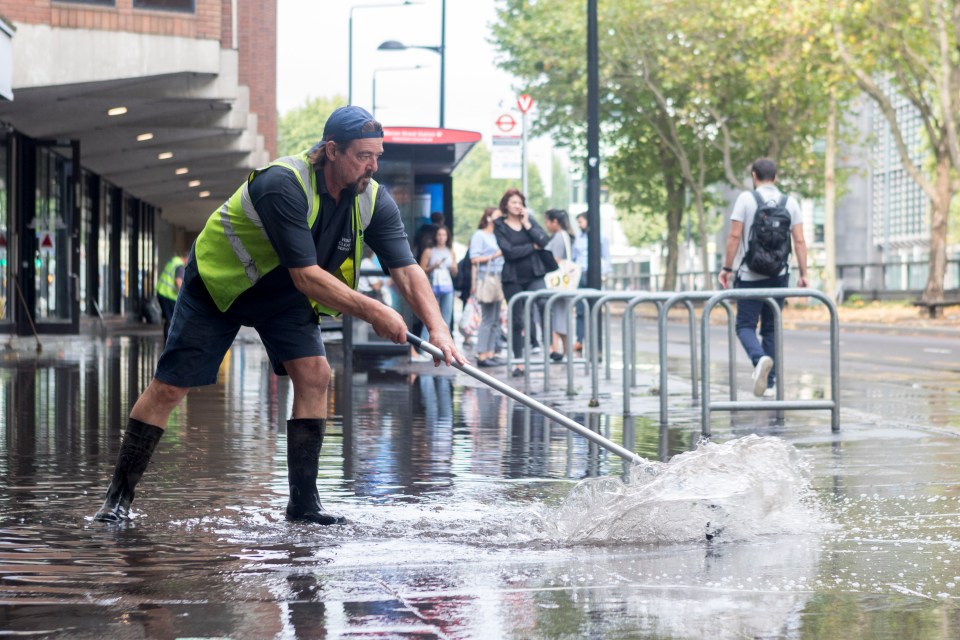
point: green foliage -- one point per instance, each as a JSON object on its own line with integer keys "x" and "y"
{"x": 691, "y": 93}
{"x": 474, "y": 190}
{"x": 302, "y": 127}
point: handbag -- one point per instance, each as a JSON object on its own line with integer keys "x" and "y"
{"x": 567, "y": 273}
{"x": 490, "y": 289}
{"x": 548, "y": 260}
{"x": 470, "y": 318}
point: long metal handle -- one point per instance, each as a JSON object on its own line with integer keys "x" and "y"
{"x": 522, "y": 398}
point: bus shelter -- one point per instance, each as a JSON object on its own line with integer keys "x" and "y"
{"x": 416, "y": 167}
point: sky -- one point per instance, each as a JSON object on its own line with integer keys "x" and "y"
{"x": 313, "y": 59}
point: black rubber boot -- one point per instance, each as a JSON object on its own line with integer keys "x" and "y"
{"x": 304, "y": 440}
{"x": 139, "y": 441}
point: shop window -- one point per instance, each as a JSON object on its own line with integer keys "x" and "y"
{"x": 165, "y": 5}
{"x": 52, "y": 224}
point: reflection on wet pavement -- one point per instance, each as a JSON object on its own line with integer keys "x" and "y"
{"x": 438, "y": 477}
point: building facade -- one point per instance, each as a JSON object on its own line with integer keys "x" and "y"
{"x": 127, "y": 122}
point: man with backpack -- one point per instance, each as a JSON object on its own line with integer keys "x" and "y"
{"x": 762, "y": 224}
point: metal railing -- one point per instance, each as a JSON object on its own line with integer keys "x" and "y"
{"x": 770, "y": 296}
{"x": 598, "y": 324}
{"x": 688, "y": 298}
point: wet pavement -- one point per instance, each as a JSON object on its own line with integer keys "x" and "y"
{"x": 472, "y": 517}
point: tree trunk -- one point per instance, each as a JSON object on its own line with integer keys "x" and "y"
{"x": 940, "y": 207}
{"x": 704, "y": 240}
{"x": 676, "y": 195}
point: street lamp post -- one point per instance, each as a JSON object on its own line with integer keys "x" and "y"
{"x": 393, "y": 45}
{"x": 405, "y": 3}
{"x": 373, "y": 102}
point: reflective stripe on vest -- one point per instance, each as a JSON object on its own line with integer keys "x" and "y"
{"x": 167, "y": 284}
{"x": 233, "y": 251}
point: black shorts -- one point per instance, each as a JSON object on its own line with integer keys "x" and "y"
{"x": 200, "y": 334}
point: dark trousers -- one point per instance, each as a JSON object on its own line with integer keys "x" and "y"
{"x": 750, "y": 312}
{"x": 582, "y": 314}
{"x": 167, "y": 306}
{"x": 511, "y": 289}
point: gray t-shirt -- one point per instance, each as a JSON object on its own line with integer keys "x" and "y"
{"x": 743, "y": 211}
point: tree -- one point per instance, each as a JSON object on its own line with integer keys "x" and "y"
{"x": 301, "y": 128}
{"x": 909, "y": 50}
{"x": 691, "y": 94}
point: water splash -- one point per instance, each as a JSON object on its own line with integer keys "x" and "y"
{"x": 735, "y": 490}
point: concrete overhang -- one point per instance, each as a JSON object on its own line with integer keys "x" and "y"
{"x": 185, "y": 93}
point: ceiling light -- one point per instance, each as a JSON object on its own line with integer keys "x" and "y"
{"x": 143, "y": 137}
{"x": 116, "y": 111}
{"x": 204, "y": 194}
{"x": 182, "y": 171}
{"x": 166, "y": 155}
{"x": 193, "y": 183}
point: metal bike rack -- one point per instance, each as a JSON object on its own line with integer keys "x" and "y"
{"x": 770, "y": 297}
{"x": 630, "y": 344}
{"x": 589, "y": 344}
{"x": 522, "y": 297}
{"x": 687, "y": 298}
{"x": 556, "y": 296}
{"x": 598, "y": 307}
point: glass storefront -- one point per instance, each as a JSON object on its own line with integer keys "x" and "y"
{"x": 52, "y": 228}
{"x": 6, "y": 237}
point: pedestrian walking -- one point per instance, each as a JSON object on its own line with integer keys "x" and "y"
{"x": 762, "y": 224}
{"x": 282, "y": 251}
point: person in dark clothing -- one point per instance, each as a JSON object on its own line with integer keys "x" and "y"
{"x": 519, "y": 237}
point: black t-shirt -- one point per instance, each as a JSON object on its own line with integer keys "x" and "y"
{"x": 282, "y": 206}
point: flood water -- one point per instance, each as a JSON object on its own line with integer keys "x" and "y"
{"x": 469, "y": 515}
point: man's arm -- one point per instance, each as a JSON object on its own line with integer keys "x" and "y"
{"x": 733, "y": 243}
{"x": 414, "y": 286}
{"x": 318, "y": 285}
{"x": 800, "y": 248}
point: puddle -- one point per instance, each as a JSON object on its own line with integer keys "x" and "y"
{"x": 470, "y": 516}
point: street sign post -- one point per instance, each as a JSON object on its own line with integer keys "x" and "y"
{"x": 506, "y": 154}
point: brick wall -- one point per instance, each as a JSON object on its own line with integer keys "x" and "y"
{"x": 257, "y": 33}
{"x": 203, "y": 23}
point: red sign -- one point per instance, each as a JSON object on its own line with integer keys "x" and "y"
{"x": 3, "y": 241}
{"x": 46, "y": 241}
{"x": 428, "y": 135}
{"x": 525, "y": 101}
{"x": 506, "y": 123}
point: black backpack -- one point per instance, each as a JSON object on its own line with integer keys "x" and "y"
{"x": 768, "y": 246}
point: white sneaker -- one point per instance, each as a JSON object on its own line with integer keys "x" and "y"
{"x": 770, "y": 392}
{"x": 760, "y": 373}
